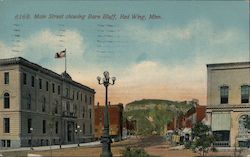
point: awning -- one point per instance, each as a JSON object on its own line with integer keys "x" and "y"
{"x": 187, "y": 130}
{"x": 221, "y": 121}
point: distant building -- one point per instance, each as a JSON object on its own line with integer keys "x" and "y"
{"x": 228, "y": 102}
{"x": 115, "y": 117}
{"x": 130, "y": 126}
{"x": 39, "y": 106}
{"x": 192, "y": 116}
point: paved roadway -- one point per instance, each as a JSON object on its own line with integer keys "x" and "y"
{"x": 154, "y": 145}
{"x": 51, "y": 147}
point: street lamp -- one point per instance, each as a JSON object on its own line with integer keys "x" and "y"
{"x": 31, "y": 131}
{"x": 77, "y": 131}
{"x": 106, "y": 139}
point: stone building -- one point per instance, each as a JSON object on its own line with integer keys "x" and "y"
{"x": 228, "y": 102}
{"x": 40, "y": 107}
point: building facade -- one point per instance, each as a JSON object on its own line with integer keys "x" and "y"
{"x": 228, "y": 102}
{"x": 192, "y": 116}
{"x": 115, "y": 118}
{"x": 40, "y": 107}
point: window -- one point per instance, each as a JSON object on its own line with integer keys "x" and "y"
{"x": 32, "y": 81}
{"x": 86, "y": 98}
{"x": 67, "y": 92}
{"x": 40, "y": 83}
{"x": 90, "y": 114}
{"x": 83, "y": 128}
{"x": 90, "y": 128}
{"x": 56, "y": 106}
{"x": 90, "y": 100}
{"x": 29, "y": 142}
{"x": 83, "y": 112}
{"x": 77, "y": 95}
{"x": 68, "y": 106}
{"x": 44, "y": 105}
{"x": 29, "y": 125}
{"x": 47, "y": 86}
{"x": 242, "y": 130}
{"x": 6, "y": 122}
{"x": 53, "y": 87}
{"x": 75, "y": 109}
{"x": 5, "y": 143}
{"x": 24, "y": 78}
{"x": 44, "y": 126}
{"x": 29, "y": 102}
{"x": 224, "y": 94}
{"x": 245, "y": 94}
{"x": 56, "y": 127}
{"x": 58, "y": 89}
{"x": 6, "y": 78}
{"x": 6, "y": 100}
{"x": 73, "y": 95}
{"x": 8, "y": 143}
{"x": 81, "y": 96}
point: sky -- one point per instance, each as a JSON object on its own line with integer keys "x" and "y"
{"x": 155, "y": 49}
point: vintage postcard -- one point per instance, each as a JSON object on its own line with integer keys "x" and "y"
{"x": 124, "y": 78}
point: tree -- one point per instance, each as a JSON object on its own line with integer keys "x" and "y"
{"x": 159, "y": 117}
{"x": 142, "y": 125}
{"x": 150, "y": 121}
{"x": 203, "y": 138}
{"x": 135, "y": 152}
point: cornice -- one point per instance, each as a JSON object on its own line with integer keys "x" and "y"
{"x": 232, "y": 64}
{"x": 36, "y": 67}
{"x": 228, "y": 107}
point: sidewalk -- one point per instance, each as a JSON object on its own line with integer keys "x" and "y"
{"x": 53, "y": 147}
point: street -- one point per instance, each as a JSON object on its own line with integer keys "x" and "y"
{"x": 154, "y": 145}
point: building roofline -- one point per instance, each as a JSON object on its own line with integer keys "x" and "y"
{"x": 34, "y": 66}
{"x": 110, "y": 106}
{"x": 228, "y": 64}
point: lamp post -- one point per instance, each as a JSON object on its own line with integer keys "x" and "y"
{"x": 77, "y": 131}
{"x": 31, "y": 132}
{"x": 106, "y": 139}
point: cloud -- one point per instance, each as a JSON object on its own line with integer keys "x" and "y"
{"x": 140, "y": 33}
{"x": 184, "y": 80}
{"x": 196, "y": 32}
{"x": 149, "y": 79}
{"x": 198, "y": 43}
{"x": 171, "y": 44}
{"x": 7, "y": 51}
{"x": 41, "y": 47}
{"x": 169, "y": 34}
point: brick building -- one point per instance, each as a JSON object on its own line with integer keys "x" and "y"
{"x": 193, "y": 115}
{"x": 115, "y": 117}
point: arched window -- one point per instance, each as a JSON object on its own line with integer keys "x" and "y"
{"x": 245, "y": 94}
{"x": 224, "y": 94}
{"x": 6, "y": 100}
{"x": 242, "y": 128}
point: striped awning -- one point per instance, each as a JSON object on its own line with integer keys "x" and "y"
{"x": 221, "y": 121}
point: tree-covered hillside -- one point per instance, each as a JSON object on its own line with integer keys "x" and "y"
{"x": 152, "y": 115}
